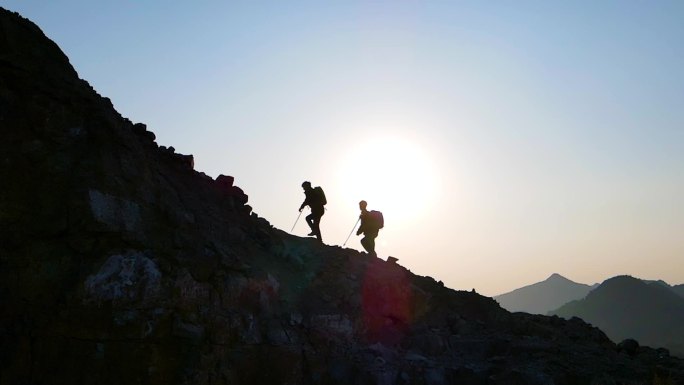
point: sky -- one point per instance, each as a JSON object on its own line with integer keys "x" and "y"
{"x": 503, "y": 141}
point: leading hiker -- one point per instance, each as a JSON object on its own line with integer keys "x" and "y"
{"x": 315, "y": 199}
{"x": 371, "y": 223}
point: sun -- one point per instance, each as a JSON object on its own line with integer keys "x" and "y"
{"x": 394, "y": 175}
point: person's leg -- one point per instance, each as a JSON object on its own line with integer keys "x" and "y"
{"x": 371, "y": 244}
{"x": 316, "y": 228}
{"x": 368, "y": 243}
{"x": 310, "y": 221}
{"x": 364, "y": 243}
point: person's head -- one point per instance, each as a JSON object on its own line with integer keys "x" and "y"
{"x": 362, "y": 205}
{"x": 306, "y": 186}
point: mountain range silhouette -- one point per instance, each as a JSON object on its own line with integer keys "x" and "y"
{"x": 627, "y": 307}
{"x": 542, "y": 297}
{"x": 121, "y": 264}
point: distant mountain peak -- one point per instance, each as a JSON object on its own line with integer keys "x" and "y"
{"x": 544, "y": 296}
{"x": 623, "y": 279}
{"x": 556, "y": 277}
{"x": 628, "y": 307}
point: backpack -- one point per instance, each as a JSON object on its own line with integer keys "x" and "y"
{"x": 320, "y": 195}
{"x": 376, "y": 221}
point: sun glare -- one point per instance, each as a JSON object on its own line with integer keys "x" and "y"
{"x": 394, "y": 175}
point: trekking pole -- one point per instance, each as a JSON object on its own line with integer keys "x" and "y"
{"x": 295, "y": 224}
{"x": 357, "y": 222}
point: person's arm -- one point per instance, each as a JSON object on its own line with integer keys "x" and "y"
{"x": 305, "y": 203}
{"x": 361, "y": 229}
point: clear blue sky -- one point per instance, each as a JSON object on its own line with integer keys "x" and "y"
{"x": 512, "y": 139}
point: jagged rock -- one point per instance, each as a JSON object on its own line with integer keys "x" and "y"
{"x": 225, "y": 181}
{"x": 629, "y": 346}
{"x": 117, "y": 214}
{"x": 120, "y": 264}
{"x": 124, "y": 279}
{"x": 186, "y": 160}
{"x": 141, "y": 129}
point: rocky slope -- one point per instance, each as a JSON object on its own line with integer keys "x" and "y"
{"x": 627, "y": 307}
{"x": 120, "y": 264}
{"x": 544, "y": 296}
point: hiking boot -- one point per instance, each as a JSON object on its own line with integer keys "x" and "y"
{"x": 311, "y": 233}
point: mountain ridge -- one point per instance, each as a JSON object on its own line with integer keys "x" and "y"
{"x": 544, "y": 296}
{"x": 679, "y": 289}
{"x": 627, "y": 307}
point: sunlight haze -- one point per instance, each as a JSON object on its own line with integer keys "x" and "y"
{"x": 503, "y": 141}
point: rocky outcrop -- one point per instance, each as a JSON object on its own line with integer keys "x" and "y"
{"x": 120, "y": 264}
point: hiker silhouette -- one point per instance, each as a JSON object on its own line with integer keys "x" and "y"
{"x": 315, "y": 199}
{"x": 371, "y": 223}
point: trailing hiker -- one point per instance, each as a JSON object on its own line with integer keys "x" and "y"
{"x": 371, "y": 223}
{"x": 315, "y": 199}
